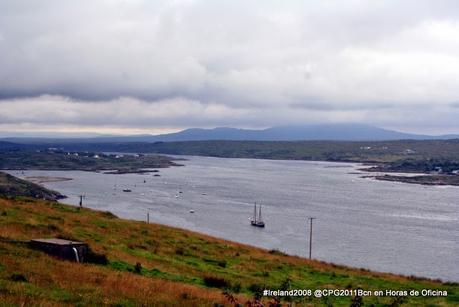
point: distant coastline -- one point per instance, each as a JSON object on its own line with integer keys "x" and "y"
{"x": 436, "y": 161}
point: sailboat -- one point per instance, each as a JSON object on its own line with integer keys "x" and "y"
{"x": 257, "y": 221}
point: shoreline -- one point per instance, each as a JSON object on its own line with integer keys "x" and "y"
{"x": 343, "y": 263}
{"x": 46, "y": 179}
{"x": 337, "y": 265}
{"x": 284, "y": 253}
{"x": 369, "y": 167}
{"x": 181, "y": 261}
{"x": 427, "y": 179}
{"x": 420, "y": 178}
{"x": 313, "y": 261}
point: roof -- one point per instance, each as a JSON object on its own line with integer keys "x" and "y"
{"x": 56, "y": 241}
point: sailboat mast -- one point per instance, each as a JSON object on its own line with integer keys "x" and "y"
{"x": 259, "y": 213}
{"x": 255, "y": 213}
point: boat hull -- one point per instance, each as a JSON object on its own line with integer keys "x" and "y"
{"x": 257, "y": 224}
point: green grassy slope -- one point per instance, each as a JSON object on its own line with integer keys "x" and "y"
{"x": 178, "y": 267}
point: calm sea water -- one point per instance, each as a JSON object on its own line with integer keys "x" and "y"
{"x": 384, "y": 226}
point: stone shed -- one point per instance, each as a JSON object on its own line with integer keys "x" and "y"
{"x": 64, "y": 249}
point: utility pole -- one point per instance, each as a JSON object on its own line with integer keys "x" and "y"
{"x": 310, "y": 236}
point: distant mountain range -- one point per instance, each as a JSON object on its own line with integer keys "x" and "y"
{"x": 336, "y": 132}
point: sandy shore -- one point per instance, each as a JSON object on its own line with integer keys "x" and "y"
{"x": 44, "y": 179}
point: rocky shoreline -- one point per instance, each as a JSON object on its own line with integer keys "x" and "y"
{"x": 427, "y": 179}
{"x": 11, "y": 186}
{"x": 411, "y": 177}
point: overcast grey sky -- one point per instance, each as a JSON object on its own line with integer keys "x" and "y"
{"x": 155, "y": 66}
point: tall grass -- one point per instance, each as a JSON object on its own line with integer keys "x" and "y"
{"x": 150, "y": 264}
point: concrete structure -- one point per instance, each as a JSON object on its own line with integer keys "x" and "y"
{"x": 65, "y": 249}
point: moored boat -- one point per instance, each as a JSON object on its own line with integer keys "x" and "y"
{"x": 257, "y": 221}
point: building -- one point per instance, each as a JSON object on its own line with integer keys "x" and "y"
{"x": 64, "y": 249}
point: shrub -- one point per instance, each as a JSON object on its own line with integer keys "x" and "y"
{"x": 215, "y": 282}
{"x": 257, "y": 290}
{"x": 138, "y": 268}
{"x": 95, "y": 258}
{"x": 236, "y": 287}
{"x": 276, "y": 252}
{"x": 220, "y": 262}
{"x": 357, "y": 301}
{"x": 52, "y": 227}
{"x": 109, "y": 215}
{"x": 286, "y": 284}
{"x": 18, "y": 277}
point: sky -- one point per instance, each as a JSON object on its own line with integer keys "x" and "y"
{"x": 143, "y": 66}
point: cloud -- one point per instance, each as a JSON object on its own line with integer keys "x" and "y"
{"x": 123, "y": 112}
{"x": 260, "y": 63}
{"x": 131, "y": 115}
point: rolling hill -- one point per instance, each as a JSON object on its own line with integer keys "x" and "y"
{"x": 333, "y": 132}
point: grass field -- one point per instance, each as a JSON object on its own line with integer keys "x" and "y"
{"x": 178, "y": 267}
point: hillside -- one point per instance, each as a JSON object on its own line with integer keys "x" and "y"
{"x": 9, "y": 146}
{"x": 364, "y": 151}
{"x": 11, "y": 186}
{"x": 336, "y": 132}
{"x": 331, "y": 132}
{"x": 177, "y": 267}
{"x": 45, "y": 159}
